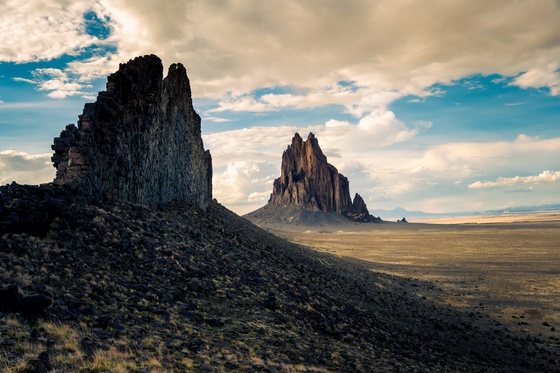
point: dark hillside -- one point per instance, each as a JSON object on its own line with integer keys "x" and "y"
{"x": 184, "y": 289}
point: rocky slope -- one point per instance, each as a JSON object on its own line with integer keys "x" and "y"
{"x": 139, "y": 142}
{"x": 310, "y": 190}
{"x": 183, "y": 289}
{"x": 99, "y": 274}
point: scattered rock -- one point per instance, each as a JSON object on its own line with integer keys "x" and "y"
{"x": 40, "y": 365}
{"x": 31, "y": 305}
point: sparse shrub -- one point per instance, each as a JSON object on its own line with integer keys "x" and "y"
{"x": 112, "y": 360}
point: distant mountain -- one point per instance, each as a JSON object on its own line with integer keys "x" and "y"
{"x": 310, "y": 191}
{"x": 399, "y": 212}
{"x": 532, "y": 209}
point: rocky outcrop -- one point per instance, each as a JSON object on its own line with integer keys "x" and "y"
{"x": 309, "y": 184}
{"x": 358, "y": 210}
{"x": 139, "y": 142}
{"x": 308, "y": 180}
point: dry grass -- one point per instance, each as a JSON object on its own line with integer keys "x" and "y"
{"x": 508, "y": 270}
{"x": 112, "y": 360}
{"x": 65, "y": 352}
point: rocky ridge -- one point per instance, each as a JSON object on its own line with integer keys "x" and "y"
{"x": 308, "y": 188}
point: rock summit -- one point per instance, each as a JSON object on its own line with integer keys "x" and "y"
{"x": 310, "y": 189}
{"x": 139, "y": 142}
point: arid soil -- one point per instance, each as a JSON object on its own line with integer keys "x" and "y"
{"x": 508, "y": 268}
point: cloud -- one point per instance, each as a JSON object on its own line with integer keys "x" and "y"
{"x": 24, "y": 80}
{"x": 37, "y": 30}
{"x": 240, "y": 47}
{"x": 246, "y": 185}
{"x": 542, "y": 75}
{"x": 414, "y": 174}
{"x": 25, "y": 168}
{"x": 217, "y": 119}
{"x": 544, "y": 177}
{"x": 62, "y": 83}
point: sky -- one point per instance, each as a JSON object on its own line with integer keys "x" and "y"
{"x": 432, "y": 105}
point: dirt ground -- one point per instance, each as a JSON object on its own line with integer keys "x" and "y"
{"x": 508, "y": 268}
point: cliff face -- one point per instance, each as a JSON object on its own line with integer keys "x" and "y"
{"x": 358, "y": 211}
{"x": 310, "y": 191}
{"x": 139, "y": 142}
{"x": 308, "y": 180}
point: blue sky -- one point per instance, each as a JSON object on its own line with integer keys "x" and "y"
{"x": 428, "y": 105}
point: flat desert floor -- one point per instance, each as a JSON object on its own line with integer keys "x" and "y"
{"x": 507, "y": 268}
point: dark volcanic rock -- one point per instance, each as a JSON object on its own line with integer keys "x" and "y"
{"x": 241, "y": 299}
{"x": 139, "y": 142}
{"x": 308, "y": 185}
{"x": 30, "y": 305}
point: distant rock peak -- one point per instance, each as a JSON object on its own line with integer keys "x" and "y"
{"x": 309, "y": 181}
{"x": 139, "y": 142}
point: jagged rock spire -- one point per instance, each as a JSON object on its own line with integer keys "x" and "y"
{"x": 139, "y": 142}
{"x": 308, "y": 180}
{"x": 310, "y": 190}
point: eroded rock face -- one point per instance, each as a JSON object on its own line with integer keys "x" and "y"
{"x": 308, "y": 180}
{"x": 139, "y": 142}
{"x": 359, "y": 207}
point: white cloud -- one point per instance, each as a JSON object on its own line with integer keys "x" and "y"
{"x": 217, "y": 119}
{"x": 542, "y": 178}
{"x": 24, "y": 80}
{"x": 37, "y": 30}
{"x": 239, "y": 47}
{"x": 60, "y": 83}
{"x": 546, "y": 75}
{"x": 419, "y": 176}
{"x": 25, "y": 168}
{"x": 246, "y": 185}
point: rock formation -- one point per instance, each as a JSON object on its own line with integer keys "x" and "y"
{"x": 358, "y": 210}
{"x": 139, "y": 142}
{"x": 308, "y": 182}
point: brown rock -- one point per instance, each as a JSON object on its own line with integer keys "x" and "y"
{"x": 308, "y": 180}
{"x": 310, "y": 190}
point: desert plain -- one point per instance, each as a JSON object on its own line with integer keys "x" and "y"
{"x": 506, "y": 267}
